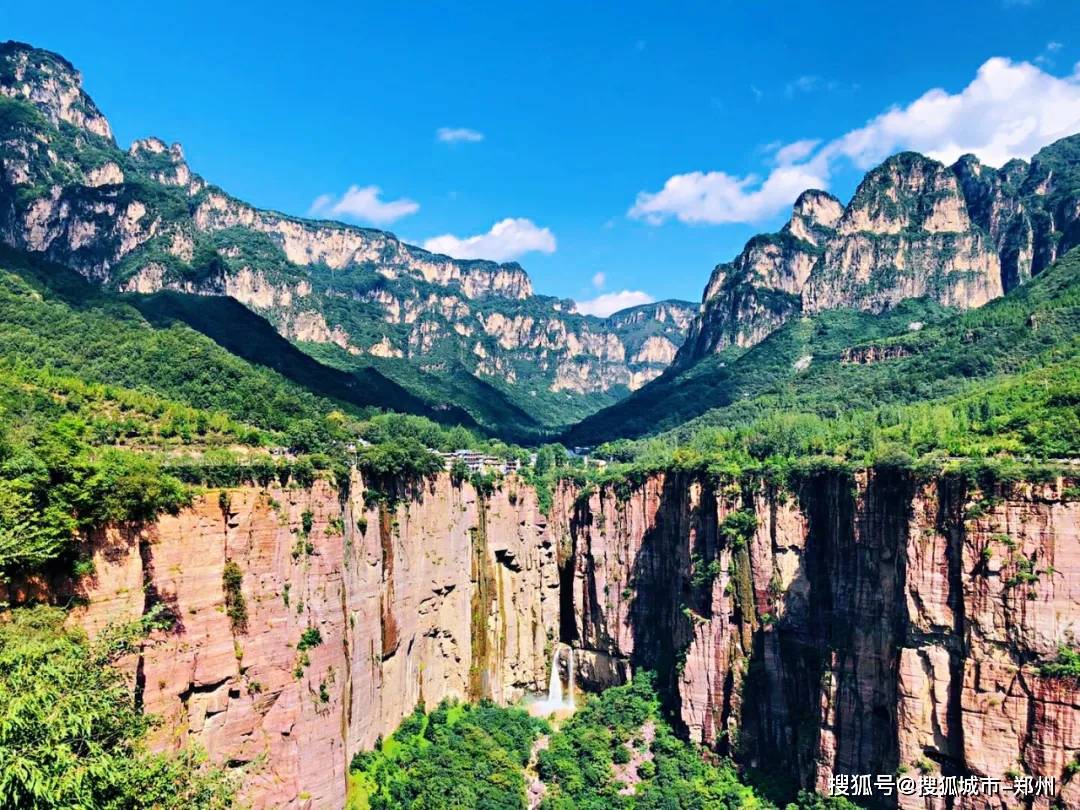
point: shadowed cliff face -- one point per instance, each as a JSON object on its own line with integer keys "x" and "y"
{"x": 855, "y": 625}
{"x": 861, "y": 627}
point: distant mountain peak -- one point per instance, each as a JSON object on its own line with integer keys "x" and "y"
{"x": 960, "y": 235}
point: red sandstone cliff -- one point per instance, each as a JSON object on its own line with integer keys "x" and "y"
{"x": 443, "y": 594}
{"x": 863, "y": 628}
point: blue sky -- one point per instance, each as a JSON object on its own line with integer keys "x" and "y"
{"x": 632, "y": 146}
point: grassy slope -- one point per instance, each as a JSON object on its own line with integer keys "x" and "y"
{"x": 51, "y": 317}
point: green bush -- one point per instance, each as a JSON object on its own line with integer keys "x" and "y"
{"x": 1066, "y": 665}
{"x": 232, "y": 581}
{"x": 70, "y": 735}
{"x": 311, "y": 637}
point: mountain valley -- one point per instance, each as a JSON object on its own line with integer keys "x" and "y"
{"x": 288, "y": 516}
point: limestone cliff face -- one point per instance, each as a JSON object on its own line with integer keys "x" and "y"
{"x": 864, "y": 627}
{"x": 142, "y": 221}
{"x": 961, "y": 235}
{"x": 53, "y": 85}
{"x": 444, "y": 594}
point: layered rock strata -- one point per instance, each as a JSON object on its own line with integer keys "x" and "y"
{"x": 353, "y": 615}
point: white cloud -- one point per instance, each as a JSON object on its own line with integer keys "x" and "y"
{"x": 458, "y": 135}
{"x": 604, "y": 305}
{"x": 1010, "y": 109}
{"x": 795, "y": 152}
{"x": 717, "y": 197}
{"x": 507, "y": 239}
{"x": 598, "y": 280}
{"x": 363, "y": 204}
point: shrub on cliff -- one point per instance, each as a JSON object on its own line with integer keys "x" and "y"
{"x": 70, "y": 734}
{"x": 56, "y": 485}
{"x": 1066, "y": 665}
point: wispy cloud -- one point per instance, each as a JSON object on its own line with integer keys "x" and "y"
{"x": 811, "y": 83}
{"x": 795, "y": 152}
{"x": 508, "y": 239}
{"x": 1010, "y": 109}
{"x": 606, "y": 304}
{"x": 458, "y": 135}
{"x": 803, "y": 84}
{"x": 1047, "y": 57}
{"x": 598, "y": 280}
{"x": 363, "y": 203}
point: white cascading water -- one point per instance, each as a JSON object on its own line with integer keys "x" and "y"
{"x": 554, "y": 698}
{"x": 570, "y": 677}
{"x": 555, "y": 701}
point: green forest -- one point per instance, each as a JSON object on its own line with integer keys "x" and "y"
{"x": 616, "y": 752}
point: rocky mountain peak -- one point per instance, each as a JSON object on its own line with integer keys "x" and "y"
{"x": 51, "y": 84}
{"x": 818, "y": 207}
{"x": 961, "y": 235}
{"x": 906, "y": 192}
{"x": 814, "y": 216}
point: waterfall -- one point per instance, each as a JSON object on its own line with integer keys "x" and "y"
{"x": 555, "y": 702}
{"x": 554, "y": 697}
{"x": 570, "y": 677}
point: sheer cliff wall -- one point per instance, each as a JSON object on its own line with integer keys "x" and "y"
{"x": 872, "y": 624}
{"x": 865, "y": 624}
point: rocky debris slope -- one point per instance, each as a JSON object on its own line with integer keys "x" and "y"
{"x": 961, "y": 235}
{"x": 142, "y": 221}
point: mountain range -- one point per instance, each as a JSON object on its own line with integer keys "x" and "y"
{"x": 916, "y": 234}
{"x": 469, "y": 341}
{"x": 140, "y": 221}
